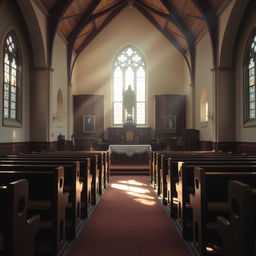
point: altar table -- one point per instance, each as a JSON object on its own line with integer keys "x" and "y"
{"x": 129, "y": 150}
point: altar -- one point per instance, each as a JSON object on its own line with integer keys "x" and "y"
{"x": 139, "y": 153}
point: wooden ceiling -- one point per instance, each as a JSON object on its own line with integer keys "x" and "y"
{"x": 180, "y": 21}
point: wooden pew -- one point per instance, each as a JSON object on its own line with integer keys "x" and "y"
{"x": 102, "y": 163}
{"x": 47, "y": 198}
{"x": 238, "y": 231}
{"x": 209, "y": 201}
{"x": 161, "y": 173}
{"x": 185, "y": 186}
{"x": 158, "y": 156}
{"x": 72, "y": 185}
{"x": 95, "y": 165}
{"x": 170, "y": 176}
{"x": 14, "y": 220}
{"x": 88, "y": 173}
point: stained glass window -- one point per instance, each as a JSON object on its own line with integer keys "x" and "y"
{"x": 11, "y": 59}
{"x": 251, "y": 66}
{"x": 129, "y": 69}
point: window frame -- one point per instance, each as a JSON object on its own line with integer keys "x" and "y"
{"x": 9, "y": 122}
{"x": 123, "y": 87}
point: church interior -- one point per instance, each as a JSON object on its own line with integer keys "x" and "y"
{"x": 128, "y": 127}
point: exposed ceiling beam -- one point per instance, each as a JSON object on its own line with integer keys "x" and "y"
{"x": 95, "y": 32}
{"x": 157, "y": 12}
{"x": 210, "y": 18}
{"x": 165, "y": 32}
{"x": 54, "y": 18}
{"x": 180, "y": 23}
{"x": 83, "y": 21}
{"x": 192, "y": 16}
{"x": 86, "y": 19}
{"x": 189, "y": 36}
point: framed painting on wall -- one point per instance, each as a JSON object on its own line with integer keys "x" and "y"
{"x": 89, "y": 124}
{"x": 170, "y": 124}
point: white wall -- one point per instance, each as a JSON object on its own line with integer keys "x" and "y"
{"x": 59, "y": 81}
{"x": 165, "y": 66}
{"x": 10, "y": 19}
{"x": 204, "y": 79}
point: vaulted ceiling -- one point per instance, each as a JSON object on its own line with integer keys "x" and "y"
{"x": 180, "y": 21}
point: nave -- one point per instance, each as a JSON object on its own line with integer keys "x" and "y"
{"x": 129, "y": 220}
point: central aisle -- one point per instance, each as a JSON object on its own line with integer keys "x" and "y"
{"x": 129, "y": 220}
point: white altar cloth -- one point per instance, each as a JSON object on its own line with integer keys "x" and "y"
{"x": 129, "y": 150}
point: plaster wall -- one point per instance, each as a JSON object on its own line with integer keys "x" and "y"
{"x": 165, "y": 66}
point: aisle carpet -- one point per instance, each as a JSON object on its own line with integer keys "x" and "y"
{"x": 129, "y": 220}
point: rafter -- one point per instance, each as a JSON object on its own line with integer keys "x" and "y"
{"x": 57, "y": 12}
{"x": 165, "y": 32}
{"x": 86, "y": 19}
{"x": 192, "y": 16}
{"x": 157, "y": 12}
{"x": 180, "y": 23}
{"x": 95, "y": 32}
{"x": 189, "y": 36}
{"x": 83, "y": 21}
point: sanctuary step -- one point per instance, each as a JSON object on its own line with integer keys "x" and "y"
{"x": 125, "y": 169}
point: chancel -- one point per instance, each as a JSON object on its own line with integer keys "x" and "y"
{"x": 127, "y": 127}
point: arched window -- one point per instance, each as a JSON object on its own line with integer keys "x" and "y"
{"x": 204, "y": 106}
{"x": 251, "y": 75}
{"x": 129, "y": 71}
{"x": 11, "y": 79}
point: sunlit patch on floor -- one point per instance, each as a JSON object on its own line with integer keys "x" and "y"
{"x": 136, "y": 191}
{"x": 132, "y": 182}
{"x": 130, "y": 188}
{"x": 144, "y": 201}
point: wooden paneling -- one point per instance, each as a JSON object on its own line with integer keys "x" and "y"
{"x": 170, "y": 105}
{"x": 14, "y": 148}
{"x": 118, "y": 135}
{"x": 88, "y": 105}
{"x": 206, "y": 145}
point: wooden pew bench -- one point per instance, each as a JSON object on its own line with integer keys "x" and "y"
{"x": 88, "y": 175}
{"x": 14, "y": 220}
{"x": 185, "y": 186}
{"x": 238, "y": 231}
{"x": 170, "y": 174}
{"x": 46, "y": 198}
{"x": 209, "y": 201}
{"x": 159, "y": 173}
{"x": 72, "y": 185}
{"x": 103, "y": 163}
{"x": 95, "y": 165}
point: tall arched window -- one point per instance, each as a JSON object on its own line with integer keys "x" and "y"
{"x": 129, "y": 69}
{"x": 11, "y": 78}
{"x": 251, "y": 74}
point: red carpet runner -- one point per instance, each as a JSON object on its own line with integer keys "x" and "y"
{"x": 129, "y": 220}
